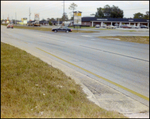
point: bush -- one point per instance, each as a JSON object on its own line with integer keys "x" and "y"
{"x": 50, "y": 23}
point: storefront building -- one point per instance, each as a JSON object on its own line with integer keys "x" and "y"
{"x": 92, "y": 21}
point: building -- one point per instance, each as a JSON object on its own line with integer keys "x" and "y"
{"x": 44, "y": 22}
{"x": 23, "y": 21}
{"x": 56, "y": 22}
{"x": 92, "y": 21}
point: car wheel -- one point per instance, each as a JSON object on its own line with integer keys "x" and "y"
{"x": 55, "y": 31}
{"x": 67, "y": 31}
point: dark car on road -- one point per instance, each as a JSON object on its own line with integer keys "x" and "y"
{"x": 10, "y": 26}
{"x": 143, "y": 26}
{"x": 62, "y": 29}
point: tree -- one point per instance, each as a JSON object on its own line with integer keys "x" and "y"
{"x": 99, "y": 13}
{"x": 71, "y": 18}
{"x": 146, "y": 16}
{"x": 109, "y": 12}
{"x": 138, "y": 15}
{"x": 65, "y": 17}
{"x": 116, "y": 12}
{"x": 50, "y": 21}
{"x": 73, "y": 7}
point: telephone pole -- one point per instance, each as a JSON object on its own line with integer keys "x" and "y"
{"x": 64, "y": 10}
{"x": 29, "y": 13}
{"x": 15, "y": 17}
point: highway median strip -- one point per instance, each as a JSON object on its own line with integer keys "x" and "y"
{"x": 49, "y": 29}
{"x": 120, "y": 86}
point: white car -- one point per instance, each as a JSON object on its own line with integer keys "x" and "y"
{"x": 97, "y": 26}
{"x": 110, "y": 27}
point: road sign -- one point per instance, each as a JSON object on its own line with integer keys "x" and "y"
{"x": 77, "y": 18}
{"x": 36, "y": 17}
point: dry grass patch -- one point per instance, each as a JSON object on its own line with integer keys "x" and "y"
{"x": 136, "y": 39}
{"x": 32, "y": 88}
{"x": 84, "y": 31}
{"x": 32, "y": 28}
{"x": 49, "y": 29}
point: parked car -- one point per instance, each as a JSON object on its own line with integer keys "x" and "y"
{"x": 10, "y": 26}
{"x": 103, "y": 26}
{"x": 116, "y": 25}
{"x": 62, "y": 29}
{"x": 125, "y": 26}
{"x": 97, "y": 26}
{"x": 134, "y": 27}
{"x": 110, "y": 27}
{"x": 143, "y": 26}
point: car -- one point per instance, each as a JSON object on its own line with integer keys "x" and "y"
{"x": 143, "y": 26}
{"x": 125, "y": 26}
{"x": 133, "y": 26}
{"x": 110, "y": 27}
{"x": 10, "y": 26}
{"x": 62, "y": 29}
{"x": 103, "y": 26}
{"x": 97, "y": 26}
{"x": 116, "y": 25}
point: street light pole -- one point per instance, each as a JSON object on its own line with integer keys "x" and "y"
{"x": 15, "y": 17}
{"x": 64, "y": 10}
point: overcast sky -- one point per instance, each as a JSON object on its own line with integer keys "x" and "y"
{"x": 54, "y": 9}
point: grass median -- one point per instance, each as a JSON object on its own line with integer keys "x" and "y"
{"x": 135, "y": 39}
{"x": 48, "y": 29}
{"x": 32, "y": 88}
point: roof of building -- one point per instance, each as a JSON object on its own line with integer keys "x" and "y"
{"x": 56, "y": 22}
{"x": 87, "y": 19}
{"x": 43, "y": 22}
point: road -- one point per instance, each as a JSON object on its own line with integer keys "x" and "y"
{"x": 113, "y": 67}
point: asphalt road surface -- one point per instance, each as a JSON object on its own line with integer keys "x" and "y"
{"x": 120, "y": 66}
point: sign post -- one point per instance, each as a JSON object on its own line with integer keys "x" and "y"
{"x": 77, "y": 18}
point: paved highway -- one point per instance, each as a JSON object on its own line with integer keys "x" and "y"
{"x": 121, "y": 66}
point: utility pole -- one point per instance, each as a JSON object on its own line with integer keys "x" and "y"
{"x": 15, "y": 17}
{"x": 29, "y": 13}
{"x": 64, "y": 10}
{"x": 12, "y": 19}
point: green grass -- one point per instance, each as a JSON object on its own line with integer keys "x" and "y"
{"x": 135, "y": 39}
{"x": 32, "y": 88}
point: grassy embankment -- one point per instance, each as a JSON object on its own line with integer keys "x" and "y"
{"x": 32, "y": 88}
{"x": 135, "y": 39}
{"x": 49, "y": 29}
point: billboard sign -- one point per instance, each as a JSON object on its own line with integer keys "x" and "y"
{"x": 77, "y": 18}
{"x": 36, "y": 17}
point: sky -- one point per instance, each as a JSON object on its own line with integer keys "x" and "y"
{"x": 54, "y": 9}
